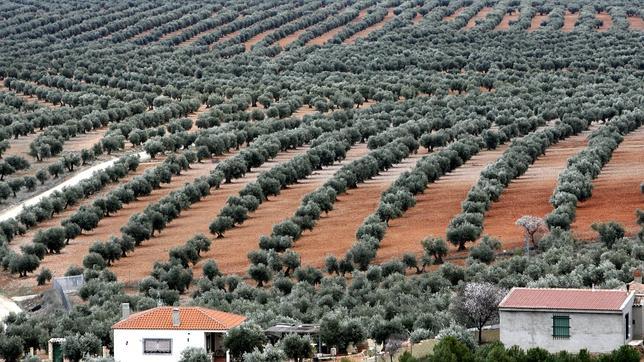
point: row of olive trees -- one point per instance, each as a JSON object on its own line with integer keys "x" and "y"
{"x": 575, "y": 182}
{"x": 468, "y": 225}
{"x": 401, "y": 196}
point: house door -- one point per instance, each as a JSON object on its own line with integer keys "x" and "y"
{"x": 58, "y": 352}
{"x": 628, "y": 324}
{"x": 215, "y": 344}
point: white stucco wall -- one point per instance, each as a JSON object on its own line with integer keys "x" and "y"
{"x": 595, "y": 332}
{"x": 128, "y": 344}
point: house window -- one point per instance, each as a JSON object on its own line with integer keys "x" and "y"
{"x": 561, "y": 326}
{"x": 157, "y": 346}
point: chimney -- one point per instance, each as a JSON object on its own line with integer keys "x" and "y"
{"x": 176, "y": 320}
{"x": 637, "y": 276}
{"x": 125, "y": 310}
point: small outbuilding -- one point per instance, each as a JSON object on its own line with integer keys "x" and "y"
{"x": 162, "y": 333}
{"x": 567, "y": 319}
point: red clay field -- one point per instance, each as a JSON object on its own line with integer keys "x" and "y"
{"x": 616, "y": 191}
{"x": 335, "y": 233}
{"x": 530, "y": 193}
{"x": 479, "y": 16}
{"x": 507, "y": 18}
{"x": 363, "y": 33}
{"x": 536, "y": 21}
{"x": 570, "y": 20}
{"x": 434, "y": 208}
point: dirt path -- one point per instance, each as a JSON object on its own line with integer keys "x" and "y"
{"x": 195, "y": 115}
{"x": 507, "y": 18}
{"x": 616, "y": 191}
{"x": 200, "y": 34}
{"x": 530, "y": 193}
{"x": 192, "y": 221}
{"x": 434, "y": 209}
{"x": 479, "y": 16}
{"x": 234, "y": 260}
{"x": 607, "y": 21}
{"x": 58, "y": 218}
{"x": 74, "y": 253}
{"x": 536, "y": 22}
{"x": 455, "y": 14}
{"x": 370, "y": 29}
{"x": 335, "y": 233}
{"x": 569, "y": 21}
{"x": 322, "y": 39}
{"x": 635, "y": 23}
{"x": 7, "y": 306}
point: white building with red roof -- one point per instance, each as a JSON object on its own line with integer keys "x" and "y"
{"x": 567, "y": 319}
{"x": 161, "y": 334}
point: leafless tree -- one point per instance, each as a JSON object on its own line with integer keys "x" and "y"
{"x": 475, "y": 304}
{"x": 531, "y": 225}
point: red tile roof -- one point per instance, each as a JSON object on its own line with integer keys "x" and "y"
{"x": 566, "y": 299}
{"x": 191, "y": 318}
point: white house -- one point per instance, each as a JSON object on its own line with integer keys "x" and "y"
{"x": 161, "y": 334}
{"x": 567, "y": 319}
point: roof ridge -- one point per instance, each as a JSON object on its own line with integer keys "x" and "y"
{"x": 572, "y": 289}
{"x": 207, "y": 313}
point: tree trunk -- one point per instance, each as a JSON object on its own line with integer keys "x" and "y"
{"x": 480, "y": 335}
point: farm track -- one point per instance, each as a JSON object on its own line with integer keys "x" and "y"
{"x": 77, "y": 248}
{"x": 616, "y": 191}
{"x": 530, "y": 193}
{"x": 635, "y": 23}
{"x": 285, "y": 41}
{"x": 455, "y": 14}
{"x": 607, "y": 21}
{"x": 434, "y": 208}
{"x": 370, "y": 29}
{"x": 536, "y": 21}
{"x": 245, "y": 238}
{"x": 248, "y": 44}
{"x": 74, "y": 253}
{"x": 335, "y": 233}
{"x": 195, "y": 220}
{"x": 507, "y": 18}
{"x": 482, "y": 14}
{"x": 323, "y": 38}
{"x": 569, "y": 21}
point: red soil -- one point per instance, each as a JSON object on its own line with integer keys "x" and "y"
{"x": 454, "y": 14}
{"x": 365, "y": 32}
{"x": 607, "y": 21}
{"x": 530, "y": 193}
{"x": 569, "y": 21}
{"x": 191, "y": 221}
{"x": 536, "y": 22}
{"x": 616, "y": 191}
{"x": 291, "y": 38}
{"x": 434, "y": 209}
{"x": 417, "y": 18}
{"x": 197, "y": 36}
{"x": 257, "y": 38}
{"x": 225, "y": 38}
{"x": 507, "y": 18}
{"x": 479, "y": 16}
{"x": 233, "y": 260}
{"x": 636, "y": 23}
{"x": 322, "y": 39}
{"x": 335, "y": 233}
